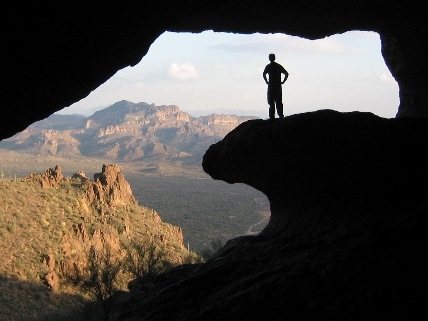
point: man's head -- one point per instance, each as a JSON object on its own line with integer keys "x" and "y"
{"x": 272, "y": 57}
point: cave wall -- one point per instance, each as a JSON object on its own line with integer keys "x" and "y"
{"x": 56, "y": 54}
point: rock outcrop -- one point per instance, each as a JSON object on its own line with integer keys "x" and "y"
{"x": 324, "y": 159}
{"x": 110, "y": 187}
{"x": 50, "y": 178}
{"x": 347, "y": 233}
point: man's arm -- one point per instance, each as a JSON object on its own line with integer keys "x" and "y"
{"x": 264, "y": 76}
{"x": 285, "y": 72}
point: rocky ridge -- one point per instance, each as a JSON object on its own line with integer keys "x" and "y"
{"x": 346, "y": 235}
{"x": 126, "y": 131}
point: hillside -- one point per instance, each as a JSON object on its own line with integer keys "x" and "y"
{"x": 205, "y": 209}
{"x": 126, "y": 131}
{"x": 49, "y": 223}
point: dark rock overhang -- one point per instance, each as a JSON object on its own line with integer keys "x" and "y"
{"x": 348, "y": 222}
{"x": 57, "y": 54}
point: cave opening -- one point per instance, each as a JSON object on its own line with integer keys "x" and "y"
{"x": 322, "y": 75}
{"x": 212, "y": 72}
{"x": 58, "y": 56}
{"x": 221, "y": 73}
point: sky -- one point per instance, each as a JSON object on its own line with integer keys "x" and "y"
{"x": 212, "y": 72}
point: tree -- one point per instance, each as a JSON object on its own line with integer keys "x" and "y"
{"x": 146, "y": 260}
{"x": 100, "y": 278}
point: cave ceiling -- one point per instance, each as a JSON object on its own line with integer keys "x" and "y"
{"x": 56, "y": 54}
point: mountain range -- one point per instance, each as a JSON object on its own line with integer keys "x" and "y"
{"x": 126, "y": 131}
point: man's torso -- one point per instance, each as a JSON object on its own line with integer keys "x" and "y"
{"x": 274, "y": 71}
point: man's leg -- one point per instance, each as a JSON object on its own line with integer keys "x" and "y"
{"x": 271, "y": 102}
{"x": 279, "y": 106}
{"x": 272, "y": 111}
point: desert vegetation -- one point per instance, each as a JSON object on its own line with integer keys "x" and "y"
{"x": 108, "y": 271}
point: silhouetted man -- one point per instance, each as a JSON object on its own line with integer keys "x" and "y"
{"x": 274, "y": 92}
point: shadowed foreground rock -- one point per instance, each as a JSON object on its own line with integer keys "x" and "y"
{"x": 347, "y": 235}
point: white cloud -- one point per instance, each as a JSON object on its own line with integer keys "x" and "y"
{"x": 183, "y": 71}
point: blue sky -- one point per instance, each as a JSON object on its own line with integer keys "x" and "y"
{"x": 222, "y": 73}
